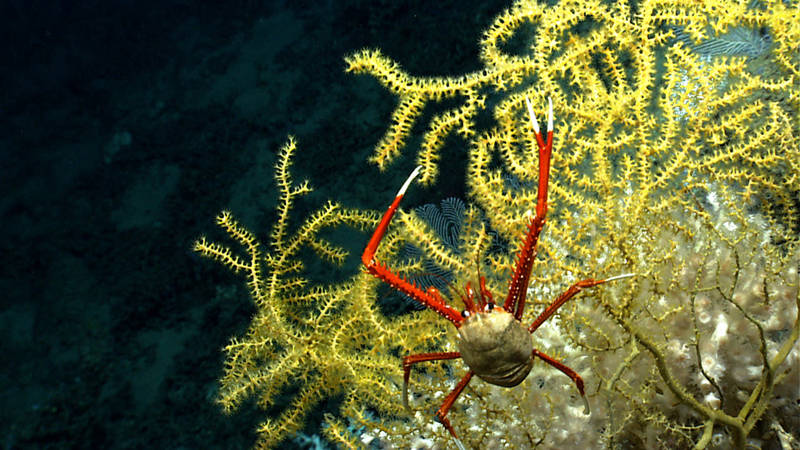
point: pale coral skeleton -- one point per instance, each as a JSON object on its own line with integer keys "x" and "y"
{"x": 491, "y": 339}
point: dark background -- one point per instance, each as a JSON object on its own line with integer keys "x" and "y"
{"x": 125, "y": 127}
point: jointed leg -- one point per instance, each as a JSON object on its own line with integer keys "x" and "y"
{"x": 515, "y": 300}
{"x": 441, "y": 414}
{"x": 550, "y": 310}
{"x": 545, "y": 150}
{"x": 571, "y": 292}
{"x": 430, "y": 297}
{"x": 410, "y": 360}
{"x": 568, "y": 372}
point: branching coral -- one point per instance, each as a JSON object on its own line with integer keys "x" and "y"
{"x": 308, "y": 341}
{"x": 667, "y": 163}
{"x": 681, "y": 168}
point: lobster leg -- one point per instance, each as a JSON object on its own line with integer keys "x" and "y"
{"x": 568, "y": 372}
{"x": 410, "y": 360}
{"x": 568, "y": 294}
{"x": 515, "y": 301}
{"x": 441, "y": 414}
{"x": 430, "y": 297}
{"x": 550, "y": 310}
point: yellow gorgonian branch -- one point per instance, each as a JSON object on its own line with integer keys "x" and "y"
{"x": 671, "y": 161}
{"x": 316, "y": 340}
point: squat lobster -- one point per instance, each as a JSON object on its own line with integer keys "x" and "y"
{"x": 491, "y": 339}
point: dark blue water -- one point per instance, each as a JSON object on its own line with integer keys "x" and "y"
{"x": 125, "y": 128}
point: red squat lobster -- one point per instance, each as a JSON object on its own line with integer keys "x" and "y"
{"x": 492, "y": 341}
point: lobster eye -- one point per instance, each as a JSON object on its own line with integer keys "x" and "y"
{"x": 465, "y": 313}
{"x": 489, "y": 306}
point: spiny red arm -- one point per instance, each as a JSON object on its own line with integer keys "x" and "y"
{"x": 429, "y": 298}
{"x": 448, "y": 403}
{"x": 568, "y": 372}
{"x": 515, "y": 301}
{"x": 410, "y": 360}
{"x": 571, "y": 292}
{"x": 550, "y": 310}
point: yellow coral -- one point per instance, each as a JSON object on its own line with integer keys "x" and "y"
{"x": 317, "y": 339}
{"x": 679, "y": 167}
{"x": 662, "y": 158}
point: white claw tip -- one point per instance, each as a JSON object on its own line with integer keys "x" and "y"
{"x": 410, "y": 178}
{"x": 531, "y": 114}
{"x": 549, "y": 114}
{"x": 585, "y": 405}
{"x": 624, "y": 275}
